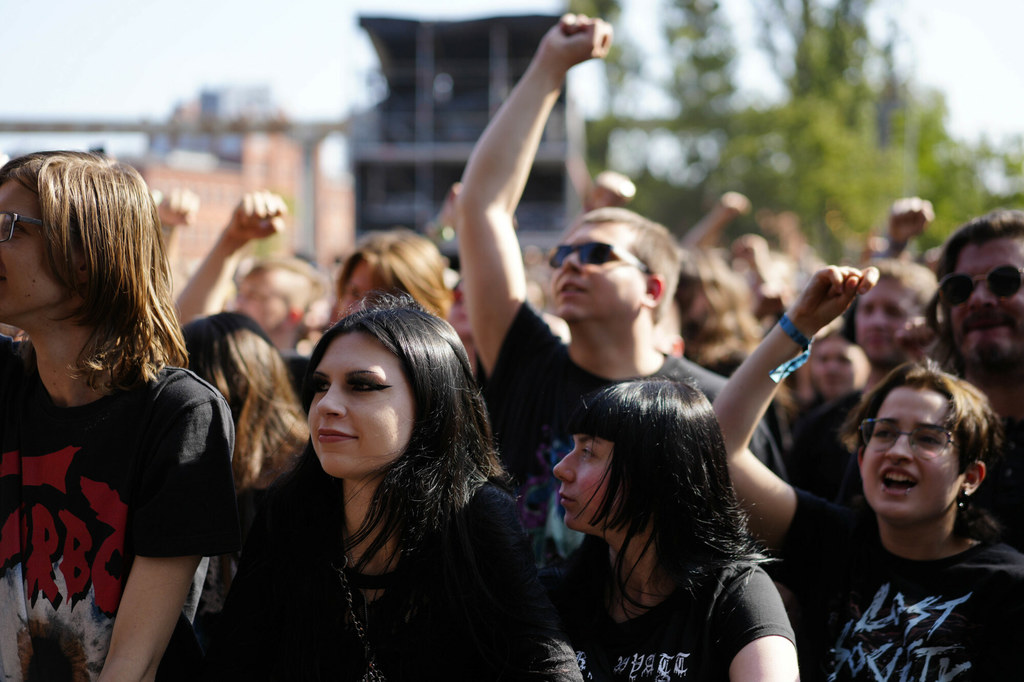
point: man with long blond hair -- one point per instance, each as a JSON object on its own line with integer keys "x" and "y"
{"x": 115, "y": 474}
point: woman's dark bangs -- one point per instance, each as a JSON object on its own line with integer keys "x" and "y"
{"x": 598, "y": 415}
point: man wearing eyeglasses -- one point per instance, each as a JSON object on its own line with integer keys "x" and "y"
{"x": 115, "y": 470}
{"x": 612, "y": 277}
{"x": 978, "y": 316}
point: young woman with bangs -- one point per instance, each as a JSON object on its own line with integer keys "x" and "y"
{"x": 667, "y": 585}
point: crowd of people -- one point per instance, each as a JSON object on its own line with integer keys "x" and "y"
{"x": 686, "y": 460}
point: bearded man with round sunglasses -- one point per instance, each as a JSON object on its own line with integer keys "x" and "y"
{"x": 978, "y": 316}
{"x": 614, "y": 273}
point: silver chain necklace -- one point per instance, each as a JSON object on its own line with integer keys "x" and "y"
{"x": 372, "y": 673}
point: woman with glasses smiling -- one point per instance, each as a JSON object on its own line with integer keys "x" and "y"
{"x": 915, "y": 584}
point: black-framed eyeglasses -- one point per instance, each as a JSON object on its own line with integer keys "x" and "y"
{"x": 595, "y": 253}
{"x": 8, "y": 220}
{"x": 927, "y": 440}
{"x": 955, "y": 288}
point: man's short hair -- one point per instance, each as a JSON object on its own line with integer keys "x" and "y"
{"x": 999, "y": 224}
{"x": 654, "y": 246}
{"x": 914, "y": 277}
{"x": 309, "y": 285}
{"x": 99, "y": 212}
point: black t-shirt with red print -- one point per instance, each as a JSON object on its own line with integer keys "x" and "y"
{"x": 83, "y": 491}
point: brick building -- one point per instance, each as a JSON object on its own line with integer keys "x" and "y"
{"x": 221, "y": 167}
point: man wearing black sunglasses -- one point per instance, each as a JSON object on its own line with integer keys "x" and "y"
{"x": 978, "y": 316}
{"x": 613, "y": 274}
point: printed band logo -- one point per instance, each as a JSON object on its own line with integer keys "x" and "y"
{"x": 658, "y": 667}
{"x": 897, "y": 640}
{"x": 84, "y": 542}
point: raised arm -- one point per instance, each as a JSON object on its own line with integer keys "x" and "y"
{"x": 494, "y": 279}
{"x": 177, "y": 210}
{"x": 258, "y": 215}
{"x": 908, "y": 218}
{"x": 771, "y": 502}
{"x": 707, "y": 232}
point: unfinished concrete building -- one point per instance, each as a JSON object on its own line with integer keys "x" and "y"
{"x": 444, "y": 80}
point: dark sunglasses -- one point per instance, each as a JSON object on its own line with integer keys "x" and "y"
{"x": 595, "y": 253}
{"x": 956, "y": 288}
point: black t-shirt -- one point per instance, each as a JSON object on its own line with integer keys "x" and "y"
{"x": 683, "y": 638}
{"x": 84, "y": 490}
{"x": 870, "y": 615}
{"x": 1002, "y": 491}
{"x": 416, "y": 628}
{"x": 818, "y": 461}
{"x": 531, "y": 394}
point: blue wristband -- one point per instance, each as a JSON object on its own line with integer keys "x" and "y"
{"x": 790, "y": 366}
{"x": 794, "y": 333}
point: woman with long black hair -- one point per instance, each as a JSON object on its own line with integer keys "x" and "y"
{"x": 667, "y": 584}
{"x": 392, "y": 550}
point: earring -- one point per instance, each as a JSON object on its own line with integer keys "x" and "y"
{"x": 961, "y": 500}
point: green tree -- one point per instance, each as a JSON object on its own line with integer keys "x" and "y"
{"x": 669, "y": 108}
{"x": 819, "y": 152}
{"x": 802, "y": 156}
{"x": 850, "y": 135}
{"x": 819, "y": 49}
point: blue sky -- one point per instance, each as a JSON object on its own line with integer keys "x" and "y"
{"x": 138, "y": 58}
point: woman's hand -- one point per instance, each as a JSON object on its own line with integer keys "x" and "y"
{"x": 827, "y": 295}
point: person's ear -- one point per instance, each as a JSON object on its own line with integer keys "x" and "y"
{"x": 973, "y": 475}
{"x": 655, "y": 290}
{"x": 860, "y": 456}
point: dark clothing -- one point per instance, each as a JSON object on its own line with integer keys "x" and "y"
{"x": 818, "y": 461}
{"x": 1002, "y": 491}
{"x": 685, "y": 637}
{"x": 287, "y": 617}
{"x": 531, "y": 394}
{"x": 870, "y": 615}
{"x": 83, "y": 491}
{"x": 222, "y": 569}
